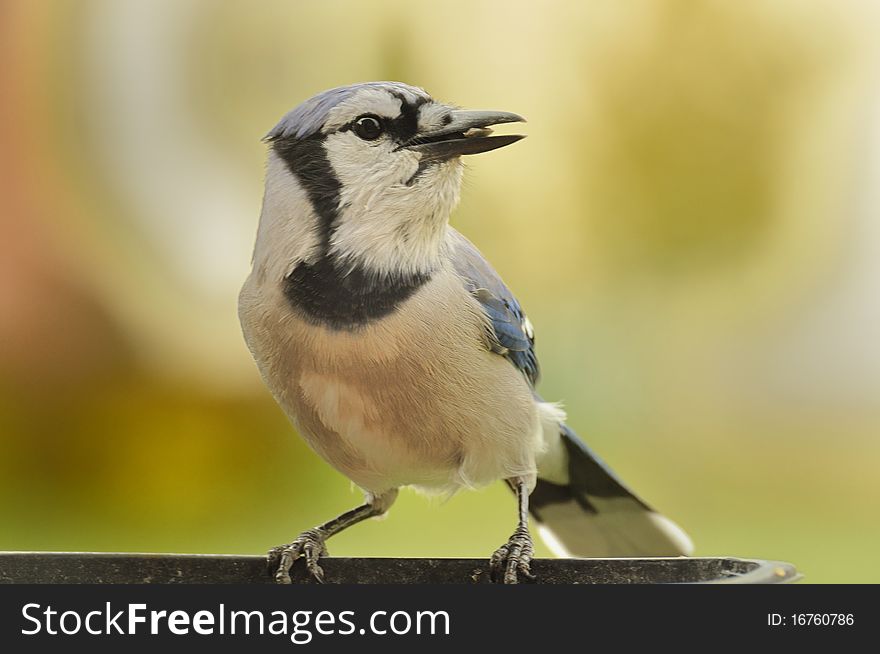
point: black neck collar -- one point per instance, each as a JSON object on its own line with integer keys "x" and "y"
{"x": 330, "y": 293}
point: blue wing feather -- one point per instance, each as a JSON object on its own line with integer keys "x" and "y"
{"x": 511, "y": 336}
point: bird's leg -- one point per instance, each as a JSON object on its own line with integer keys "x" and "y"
{"x": 311, "y": 544}
{"x": 514, "y": 557}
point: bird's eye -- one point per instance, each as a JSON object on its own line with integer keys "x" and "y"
{"x": 368, "y": 128}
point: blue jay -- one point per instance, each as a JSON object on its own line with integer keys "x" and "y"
{"x": 395, "y": 348}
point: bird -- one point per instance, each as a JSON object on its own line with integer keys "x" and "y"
{"x": 395, "y": 348}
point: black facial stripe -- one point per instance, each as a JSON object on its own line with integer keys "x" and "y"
{"x": 307, "y": 161}
{"x": 329, "y": 297}
{"x": 405, "y": 126}
{"x": 402, "y": 128}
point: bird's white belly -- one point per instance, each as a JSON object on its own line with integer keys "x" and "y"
{"x": 362, "y": 432}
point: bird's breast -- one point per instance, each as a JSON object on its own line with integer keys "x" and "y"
{"x": 402, "y": 400}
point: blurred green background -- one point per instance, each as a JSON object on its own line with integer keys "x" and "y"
{"x": 692, "y": 225}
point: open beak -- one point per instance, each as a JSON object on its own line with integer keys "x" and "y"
{"x": 467, "y": 133}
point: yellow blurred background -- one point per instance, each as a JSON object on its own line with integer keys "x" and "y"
{"x": 692, "y": 226}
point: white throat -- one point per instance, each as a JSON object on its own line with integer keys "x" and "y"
{"x": 387, "y": 226}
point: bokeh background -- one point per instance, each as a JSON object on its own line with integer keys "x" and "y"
{"x": 693, "y": 225}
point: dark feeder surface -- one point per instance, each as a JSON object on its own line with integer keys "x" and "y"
{"x": 109, "y": 568}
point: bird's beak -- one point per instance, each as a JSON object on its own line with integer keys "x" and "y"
{"x": 467, "y": 133}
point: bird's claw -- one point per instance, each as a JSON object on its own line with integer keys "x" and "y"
{"x": 513, "y": 559}
{"x": 310, "y": 545}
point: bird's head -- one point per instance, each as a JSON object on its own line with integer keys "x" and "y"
{"x": 368, "y": 174}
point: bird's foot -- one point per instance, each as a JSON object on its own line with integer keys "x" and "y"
{"x": 512, "y": 560}
{"x": 310, "y": 545}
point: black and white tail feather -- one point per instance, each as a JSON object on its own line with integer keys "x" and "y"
{"x": 595, "y": 514}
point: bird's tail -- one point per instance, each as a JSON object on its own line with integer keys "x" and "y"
{"x": 587, "y": 511}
